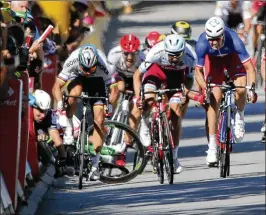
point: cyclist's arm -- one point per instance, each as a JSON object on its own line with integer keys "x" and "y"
{"x": 201, "y": 52}
{"x": 245, "y": 59}
{"x": 247, "y": 16}
{"x": 114, "y": 94}
{"x": 137, "y": 82}
{"x": 59, "y": 83}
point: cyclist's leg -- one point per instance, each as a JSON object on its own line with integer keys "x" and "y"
{"x": 237, "y": 73}
{"x": 214, "y": 69}
{"x": 75, "y": 89}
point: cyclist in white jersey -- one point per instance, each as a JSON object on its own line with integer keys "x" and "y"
{"x": 124, "y": 59}
{"x": 168, "y": 64}
{"x": 236, "y": 15}
{"x": 87, "y": 70}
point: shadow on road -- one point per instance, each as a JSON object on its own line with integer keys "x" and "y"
{"x": 187, "y": 192}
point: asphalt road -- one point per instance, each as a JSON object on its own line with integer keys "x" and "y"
{"x": 198, "y": 189}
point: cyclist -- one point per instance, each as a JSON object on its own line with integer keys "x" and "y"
{"x": 124, "y": 59}
{"x": 85, "y": 62}
{"x": 258, "y": 10}
{"x": 184, "y": 29}
{"x": 236, "y": 14}
{"x": 168, "y": 64}
{"x": 263, "y": 71}
{"x": 220, "y": 48}
{"x": 49, "y": 123}
{"x": 150, "y": 40}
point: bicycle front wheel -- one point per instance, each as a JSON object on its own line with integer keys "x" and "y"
{"x": 129, "y": 168}
{"x": 82, "y": 139}
{"x": 168, "y": 150}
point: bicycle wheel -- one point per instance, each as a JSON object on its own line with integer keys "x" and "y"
{"x": 136, "y": 147}
{"x": 168, "y": 151}
{"x": 83, "y": 136}
{"x": 158, "y": 153}
{"x": 260, "y": 49}
{"x": 222, "y": 161}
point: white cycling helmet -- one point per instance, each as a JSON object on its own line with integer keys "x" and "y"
{"x": 42, "y": 99}
{"x": 174, "y": 43}
{"x": 88, "y": 56}
{"x": 214, "y": 27}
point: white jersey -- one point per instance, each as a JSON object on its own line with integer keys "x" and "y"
{"x": 118, "y": 64}
{"x": 158, "y": 55}
{"x": 71, "y": 68}
{"x": 223, "y": 8}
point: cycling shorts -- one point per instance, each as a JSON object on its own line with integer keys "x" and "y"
{"x": 94, "y": 86}
{"x": 215, "y": 66}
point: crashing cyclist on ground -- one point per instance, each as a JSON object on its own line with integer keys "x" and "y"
{"x": 220, "y": 48}
{"x": 169, "y": 63}
{"x": 50, "y": 124}
{"x": 86, "y": 69}
{"x": 236, "y": 15}
{"x": 184, "y": 29}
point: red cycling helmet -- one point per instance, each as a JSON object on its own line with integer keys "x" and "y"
{"x": 152, "y": 38}
{"x": 129, "y": 43}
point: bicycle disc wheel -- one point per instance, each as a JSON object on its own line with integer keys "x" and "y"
{"x": 135, "y": 147}
{"x": 81, "y": 143}
{"x": 168, "y": 151}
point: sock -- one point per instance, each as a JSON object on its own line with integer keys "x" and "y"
{"x": 61, "y": 151}
{"x": 212, "y": 142}
{"x": 95, "y": 160}
{"x": 239, "y": 115}
{"x": 175, "y": 151}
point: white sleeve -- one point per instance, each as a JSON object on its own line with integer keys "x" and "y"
{"x": 70, "y": 65}
{"x": 246, "y": 10}
{"x": 153, "y": 56}
{"x": 112, "y": 59}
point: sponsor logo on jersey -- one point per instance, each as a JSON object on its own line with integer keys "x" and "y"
{"x": 73, "y": 62}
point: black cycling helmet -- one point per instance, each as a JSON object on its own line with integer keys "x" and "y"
{"x": 182, "y": 28}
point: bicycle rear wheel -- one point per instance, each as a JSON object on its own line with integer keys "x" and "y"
{"x": 129, "y": 170}
{"x": 168, "y": 151}
{"x": 82, "y": 139}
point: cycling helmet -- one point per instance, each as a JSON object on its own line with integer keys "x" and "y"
{"x": 42, "y": 100}
{"x": 152, "y": 38}
{"x": 88, "y": 56}
{"x": 182, "y": 28}
{"x": 129, "y": 43}
{"x": 214, "y": 27}
{"x": 174, "y": 44}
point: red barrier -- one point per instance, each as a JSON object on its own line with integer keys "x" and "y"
{"x": 49, "y": 73}
{"x": 32, "y": 146}
{"x": 10, "y": 115}
{"x": 24, "y": 131}
{"x": 32, "y": 149}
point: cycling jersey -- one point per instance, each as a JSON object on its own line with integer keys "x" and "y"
{"x": 158, "y": 55}
{"x": 232, "y": 43}
{"x": 233, "y": 16}
{"x": 118, "y": 63}
{"x": 71, "y": 68}
{"x": 53, "y": 120}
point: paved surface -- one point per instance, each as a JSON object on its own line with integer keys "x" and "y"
{"x": 198, "y": 190}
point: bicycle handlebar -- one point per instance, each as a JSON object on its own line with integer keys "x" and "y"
{"x": 83, "y": 97}
{"x": 162, "y": 91}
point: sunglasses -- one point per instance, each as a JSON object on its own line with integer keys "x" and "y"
{"x": 90, "y": 70}
{"x": 214, "y": 38}
{"x": 175, "y": 54}
{"x": 42, "y": 111}
{"x": 128, "y": 53}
